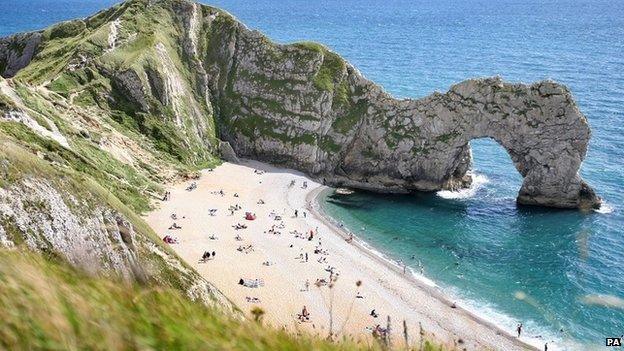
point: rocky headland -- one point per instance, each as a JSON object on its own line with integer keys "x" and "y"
{"x": 203, "y": 76}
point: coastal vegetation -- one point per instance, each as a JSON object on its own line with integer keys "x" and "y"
{"x": 46, "y": 305}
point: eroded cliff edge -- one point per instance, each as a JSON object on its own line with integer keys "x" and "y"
{"x": 190, "y": 74}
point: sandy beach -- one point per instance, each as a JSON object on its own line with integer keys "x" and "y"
{"x": 275, "y": 257}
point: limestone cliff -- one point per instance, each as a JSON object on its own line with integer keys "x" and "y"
{"x": 304, "y": 107}
{"x": 17, "y": 51}
{"x": 157, "y": 87}
{"x": 184, "y": 75}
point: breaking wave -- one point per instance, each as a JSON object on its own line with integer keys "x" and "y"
{"x": 477, "y": 181}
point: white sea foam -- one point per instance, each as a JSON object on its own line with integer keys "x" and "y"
{"x": 534, "y": 334}
{"x": 421, "y": 278}
{"x": 605, "y": 208}
{"x": 477, "y": 181}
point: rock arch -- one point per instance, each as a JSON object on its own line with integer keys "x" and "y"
{"x": 539, "y": 126}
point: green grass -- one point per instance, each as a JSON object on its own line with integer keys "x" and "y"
{"x": 65, "y": 29}
{"x": 85, "y": 158}
{"x": 5, "y": 102}
{"x": 349, "y": 120}
{"x": 46, "y": 305}
{"x": 328, "y": 144}
{"x": 445, "y": 138}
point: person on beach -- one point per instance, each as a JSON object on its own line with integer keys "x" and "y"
{"x": 306, "y": 257}
{"x": 305, "y": 315}
{"x": 206, "y": 256}
{"x": 374, "y": 314}
{"x": 519, "y": 329}
{"x": 296, "y": 213}
{"x": 378, "y": 332}
{"x": 214, "y": 254}
{"x": 546, "y": 347}
{"x": 307, "y": 285}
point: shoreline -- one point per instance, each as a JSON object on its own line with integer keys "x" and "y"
{"x": 422, "y": 282}
{"x": 277, "y": 242}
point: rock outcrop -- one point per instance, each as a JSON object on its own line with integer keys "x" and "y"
{"x": 16, "y": 52}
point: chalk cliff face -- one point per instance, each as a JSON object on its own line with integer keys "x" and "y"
{"x": 16, "y": 52}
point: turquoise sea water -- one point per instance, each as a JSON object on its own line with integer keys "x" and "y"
{"x": 478, "y": 243}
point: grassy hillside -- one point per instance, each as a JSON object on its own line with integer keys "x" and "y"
{"x": 46, "y": 306}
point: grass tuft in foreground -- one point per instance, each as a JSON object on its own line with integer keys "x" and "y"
{"x": 45, "y": 305}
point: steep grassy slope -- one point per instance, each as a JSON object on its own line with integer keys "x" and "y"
{"x": 50, "y": 306}
{"x": 51, "y": 204}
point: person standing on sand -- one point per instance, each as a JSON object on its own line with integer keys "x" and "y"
{"x": 296, "y": 213}
{"x": 546, "y": 347}
{"x": 305, "y": 315}
{"x": 519, "y": 329}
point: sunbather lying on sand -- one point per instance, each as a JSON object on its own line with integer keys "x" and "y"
{"x": 251, "y": 283}
{"x": 321, "y": 282}
{"x": 246, "y": 249}
{"x": 170, "y": 240}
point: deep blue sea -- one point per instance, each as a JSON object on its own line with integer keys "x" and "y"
{"x": 541, "y": 267}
